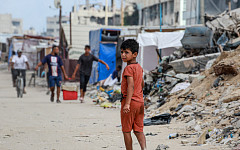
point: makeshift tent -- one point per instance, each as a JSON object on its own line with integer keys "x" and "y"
{"x": 28, "y": 44}
{"x": 149, "y": 42}
{"x": 103, "y": 47}
{"x": 161, "y": 39}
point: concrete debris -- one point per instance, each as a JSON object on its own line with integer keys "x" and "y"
{"x": 225, "y": 69}
{"x": 209, "y": 64}
{"x": 184, "y": 142}
{"x": 209, "y": 106}
{"x": 234, "y": 96}
{"x": 192, "y": 64}
{"x": 180, "y": 86}
{"x": 225, "y": 21}
{"x": 195, "y": 76}
{"x": 238, "y": 124}
{"x": 226, "y": 29}
{"x": 202, "y": 138}
{"x": 187, "y": 108}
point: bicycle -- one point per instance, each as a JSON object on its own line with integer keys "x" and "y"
{"x": 19, "y": 86}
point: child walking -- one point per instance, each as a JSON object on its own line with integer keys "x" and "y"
{"x": 132, "y": 105}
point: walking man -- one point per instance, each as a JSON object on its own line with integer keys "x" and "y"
{"x": 55, "y": 65}
{"x": 85, "y": 63}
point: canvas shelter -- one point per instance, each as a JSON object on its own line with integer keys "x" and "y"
{"x": 150, "y": 42}
{"x": 103, "y": 43}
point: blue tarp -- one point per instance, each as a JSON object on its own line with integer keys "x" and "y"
{"x": 107, "y": 53}
{"x": 104, "y": 51}
{"x": 10, "y": 52}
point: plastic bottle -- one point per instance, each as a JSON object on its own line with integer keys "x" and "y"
{"x": 173, "y": 135}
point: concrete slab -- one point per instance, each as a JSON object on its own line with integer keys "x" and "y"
{"x": 186, "y": 65}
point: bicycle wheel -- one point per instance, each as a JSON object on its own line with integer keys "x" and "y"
{"x": 21, "y": 87}
{"x": 17, "y": 87}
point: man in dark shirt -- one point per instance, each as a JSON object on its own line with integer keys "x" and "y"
{"x": 85, "y": 63}
{"x": 55, "y": 65}
{"x": 116, "y": 72}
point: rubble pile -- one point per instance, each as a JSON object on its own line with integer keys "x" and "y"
{"x": 226, "y": 28}
{"x": 210, "y": 106}
{"x": 228, "y": 21}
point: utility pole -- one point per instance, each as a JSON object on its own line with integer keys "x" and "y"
{"x": 140, "y": 14}
{"x": 197, "y": 18}
{"x": 229, "y": 5}
{"x": 113, "y": 10}
{"x": 122, "y": 14}
{"x": 160, "y": 19}
{"x": 106, "y": 13}
{"x": 70, "y": 28}
{"x": 60, "y": 30}
{"x": 87, "y": 4}
{"x": 160, "y": 15}
{"x": 202, "y": 11}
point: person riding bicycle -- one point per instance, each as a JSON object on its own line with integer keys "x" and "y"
{"x": 55, "y": 65}
{"x": 19, "y": 66}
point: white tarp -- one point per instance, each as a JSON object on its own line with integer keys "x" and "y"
{"x": 161, "y": 39}
{"x": 109, "y": 81}
{"x": 180, "y": 86}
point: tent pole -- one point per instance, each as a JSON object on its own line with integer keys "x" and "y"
{"x": 160, "y": 18}
{"x": 142, "y": 56}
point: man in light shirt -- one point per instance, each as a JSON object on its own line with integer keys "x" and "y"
{"x": 19, "y": 66}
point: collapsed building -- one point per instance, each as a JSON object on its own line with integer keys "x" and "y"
{"x": 210, "y": 105}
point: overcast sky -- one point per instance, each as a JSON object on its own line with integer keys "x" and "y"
{"x": 34, "y": 12}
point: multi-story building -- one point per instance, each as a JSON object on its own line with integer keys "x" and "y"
{"x": 95, "y": 14}
{"x": 53, "y": 25}
{"x": 179, "y": 12}
{"x": 195, "y": 10}
{"x": 149, "y": 12}
{"x": 30, "y": 31}
{"x": 170, "y": 14}
{"x": 17, "y": 26}
{"x": 10, "y": 25}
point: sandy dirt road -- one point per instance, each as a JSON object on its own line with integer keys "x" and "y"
{"x": 34, "y": 123}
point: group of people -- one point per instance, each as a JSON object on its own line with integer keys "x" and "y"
{"x": 55, "y": 66}
{"x": 132, "y": 103}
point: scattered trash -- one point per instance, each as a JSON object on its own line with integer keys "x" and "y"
{"x": 158, "y": 120}
{"x": 150, "y": 134}
{"x": 106, "y": 96}
{"x": 173, "y": 135}
{"x": 216, "y": 82}
{"x": 162, "y": 147}
{"x": 237, "y": 114}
